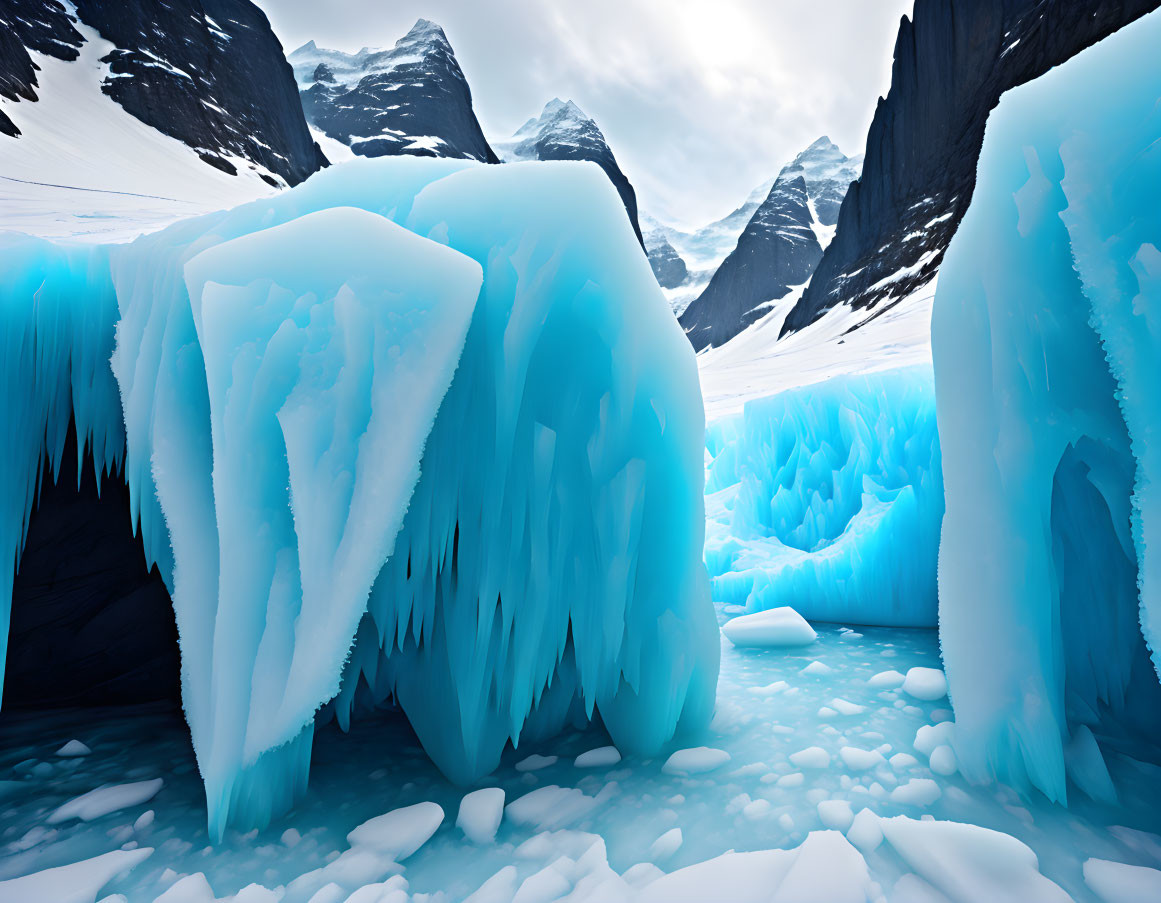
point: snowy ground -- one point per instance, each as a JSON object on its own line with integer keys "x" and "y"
{"x": 755, "y": 364}
{"x": 867, "y": 741}
{"x": 83, "y": 168}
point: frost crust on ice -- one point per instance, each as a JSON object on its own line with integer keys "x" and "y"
{"x": 828, "y": 499}
{"x": 405, "y": 432}
{"x": 1047, "y": 361}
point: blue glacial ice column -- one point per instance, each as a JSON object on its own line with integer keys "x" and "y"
{"x": 548, "y": 564}
{"x": 828, "y": 498}
{"x": 550, "y": 561}
{"x": 1047, "y": 349}
{"x": 57, "y": 314}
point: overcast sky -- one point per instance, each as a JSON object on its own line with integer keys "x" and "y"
{"x": 701, "y": 100}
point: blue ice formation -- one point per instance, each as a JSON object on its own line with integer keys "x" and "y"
{"x": 828, "y": 499}
{"x": 415, "y": 430}
{"x": 1047, "y": 348}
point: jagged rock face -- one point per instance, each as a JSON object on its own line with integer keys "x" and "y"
{"x": 209, "y": 73}
{"x": 668, "y": 267}
{"x": 40, "y": 25}
{"x": 412, "y": 99}
{"x": 564, "y": 132}
{"x": 953, "y": 60}
{"x": 778, "y": 249}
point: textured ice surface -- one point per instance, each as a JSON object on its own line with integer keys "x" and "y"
{"x": 300, "y": 382}
{"x": 828, "y": 499}
{"x": 595, "y": 830}
{"x": 1047, "y": 355}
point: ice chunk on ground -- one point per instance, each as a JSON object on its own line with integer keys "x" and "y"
{"x": 929, "y": 736}
{"x": 78, "y": 882}
{"x": 860, "y": 759}
{"x": 696, "y": 760}
{"x": 836, "y": 496}
{"x": 811, "y": 757}
{"x": 481, "y": 812}
{"x": 968, "y": 863}
{"x": 105, "y": 800}
{"x": 603, "y": 757}
{"x": 942, "y": 760}
{"x": 774, "y": 627}
{"x": 73, "y": 748}
{"x": 865, "y": 832}
{"x": 824, "y": 869}
{"x": 887, "y": 680}
{"x": 1119, "y": 882}
{"x": 835, "y": 814}
{"x": 552, "y": 807}
{"x": 916, "y": 792}
{"x": 400, "y": 832}
{"x": 193, "y": 888}
{"x": 535, "y": 762}
{"x": 927, "y": 684}
{"x": 1047, "y": 363}
{"x": 666, "y": 845}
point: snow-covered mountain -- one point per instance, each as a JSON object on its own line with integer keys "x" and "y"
{"x": 562, "y": 131}
{"x": 779, "y": 246}
{"x": 411, "y": 99}
{"x": 953, "y": 60}
{"x": 668, "y": 266}
{"x": 701, "y": 251}
{"x": 210, "y": 74}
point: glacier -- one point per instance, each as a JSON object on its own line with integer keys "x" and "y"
{"x": 404, "y": 434}
{"x": 828, "y": 499}
{"x": 1047, "y": 353}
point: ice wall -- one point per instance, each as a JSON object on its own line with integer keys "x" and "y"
{"x": 828, "y": 498}
{"x": 57, "y": 312}
{"x": 1047, "y": 349}
{"x": 549, "y": 561}
{"x": 442, "y": 407}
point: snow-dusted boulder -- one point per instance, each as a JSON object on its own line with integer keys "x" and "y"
{"x": 828, "y": 499}
{"x": 415, "y": 429}
{"x": 1047, "y": 352}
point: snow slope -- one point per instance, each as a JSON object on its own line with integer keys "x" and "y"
{"x": 757, "y": 363}
{"x": 85, "y": 168}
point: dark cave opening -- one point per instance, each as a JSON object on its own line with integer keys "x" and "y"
{"x": 91, "y": 624}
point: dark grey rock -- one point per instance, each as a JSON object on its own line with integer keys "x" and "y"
{"x": 564, "y": 132}
{"x": 412, "y": 99}
{"x": 953, "y": 60}
{"x": 778, "y": 249}
{"x": 209, "y": 73}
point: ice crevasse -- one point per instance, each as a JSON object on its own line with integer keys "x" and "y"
{"x": 406, "y": 432}
{"x": 828, "y": 499}
{"x": 1047, "y": 349}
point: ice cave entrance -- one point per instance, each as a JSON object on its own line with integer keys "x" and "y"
{"x": 92, "y": 625}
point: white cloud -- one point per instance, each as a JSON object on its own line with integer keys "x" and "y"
{"x": 701, "y": 100}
